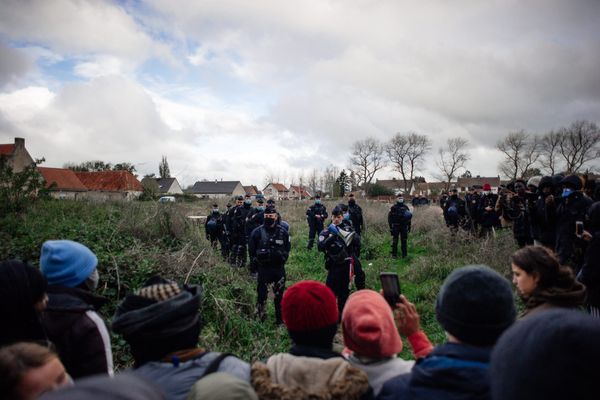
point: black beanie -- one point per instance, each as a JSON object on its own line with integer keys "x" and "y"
{"x": 573, "y": 181}
{"x": 21, "y": 287}
{"x": 549, "y": 355}
{"x": 475, "y": 305}
{"x": 155, "y": 328}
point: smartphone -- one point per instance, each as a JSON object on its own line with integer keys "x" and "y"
{"x": 579, "y": 228}
{"x": 391, "y": 287}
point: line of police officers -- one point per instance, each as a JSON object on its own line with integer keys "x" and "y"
{"x": 263, "y": 235}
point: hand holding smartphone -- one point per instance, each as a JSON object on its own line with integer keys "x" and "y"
{"x": 579, "y": 229}
{"x": 391, "y": 287}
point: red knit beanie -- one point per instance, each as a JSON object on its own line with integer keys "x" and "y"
{"x": 308, "y": 306}
{"x": 368, "y": 326}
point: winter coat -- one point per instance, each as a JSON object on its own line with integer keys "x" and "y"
{"x": 176, "y": 378}
{"x": 356, "y": 216}
{"x": 399, "y": 215}
{"x": 567, "y": 293}
{"x": 269, "y": 247}
{"x": 286, "y": 376}
{"x": 79, "y": 333}
{"x": 518, "y": 211}
{"x": 380, "y": 371}
{"x": 543, "y": 221}
{"x": 313, "y": 211}
{"x": 487, "y": 218}
{"x": 451, "y": 372}
{"x": 590, "y": 272}
{"x": 571, "y": 209}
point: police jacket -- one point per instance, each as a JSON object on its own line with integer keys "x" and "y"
{"x": 270, "y": 247}
{"x": 313, "y": 211}
{"x": 356, "y": 216}
{"x": 334, "y": 247}
{"x": 214, "y": 224}
{"x": 399, "y": 215}
{"x": 458, "y": 203}
{"x": 238, "y": 220}
{"x": 254, "y": 219}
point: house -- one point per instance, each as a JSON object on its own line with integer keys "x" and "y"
{"x": 251, "y": 191}
{"x": 63, "y": 183}
{"x": 299, "y": 193}
{"x": 110, "y": 185}
{"x": 463, "y": 184}
{"x": 277, "y": 191}
{"x": 396, "y": 185}
{"x": 429, "y": 189}
{"x": 217, "y": 189}
{"x": 16, "y": 154}
{"x": 163, "y": 186}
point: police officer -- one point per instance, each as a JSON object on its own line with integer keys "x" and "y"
{"x": 315, "y": 215}
{"x": 269, "y": 248}
{"x": 239, "y": 239}
{"x": 486, "y": 211}
{"x": 454, "y": 210}
{"x": 226, "y": 244}
{"x": 399, "y": 219}
{"x": 356, "y": 215}
{"x": 339, "y": 261}
{"x": 354, "y": 247}
{"x": 214, "y": 227}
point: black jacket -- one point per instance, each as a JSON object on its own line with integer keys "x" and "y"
{"x": 543, "y": 221}
{"x": 269, "y": 247}
{"x": 356, "y": 216}
{"x": 315, "y": 210}
{"x": 398, "y": 216}
{"x": 450, "y": 372}
{"x": 571, "y": 209}
{"x": 80, "y": 335}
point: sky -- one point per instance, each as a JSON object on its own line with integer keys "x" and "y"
{"x": 241, "y": 90}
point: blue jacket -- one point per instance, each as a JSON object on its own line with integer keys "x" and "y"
{"x": 450, "y": 372}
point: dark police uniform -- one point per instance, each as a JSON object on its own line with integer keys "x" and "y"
{"x": 315, "y": 215}
{"x": 239, "y": 239}
{"x": 399, "y": 219}
{"x": 214, "y": 230}
{"x": 269, "y": 248}
{"x": 356, "y": 216}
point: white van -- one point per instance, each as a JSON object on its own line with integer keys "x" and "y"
{"x": 167, "y": 199}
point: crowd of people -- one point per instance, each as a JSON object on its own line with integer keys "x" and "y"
{"x": 55, "y": 344}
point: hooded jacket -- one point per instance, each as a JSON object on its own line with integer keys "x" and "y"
{"x": 450, "y": 372}
{"x": 79, "y": 333}
{"x": 590, "y": 272}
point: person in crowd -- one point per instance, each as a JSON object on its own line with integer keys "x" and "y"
{"x": 354, "y": 248}
{"x": 505, "y": 193}
{"x": 590, "y": 271}
{"x": 356, "y": 214}
{"x": 339, "y": 260}
{"x": 474, "y": 306}
{"x": 518, "y": 210}
{"x": 455, "y": 212}
{"x": 71, "y": 320}
{"x": 22, "y": 299}
{"x": 254, "y": 219}
{"x": 27, "y": 370}
{"x": 311, "y": 369}
{"x": 472, "y": 202}
{"x": 486, "y": 211}
{"x": 161, "y": 324}
{"x": 315, "y": 216}
{"x": 226, "y": 218}
{"x": 551, "y": 356}
{"x": 399, "y": 221}
{"x": 124, "y": 386}
{"x": 543, "y": 216}
{"x": 542, "y": 282}
{"x": 222, "y": 386}
{"x": 573, "y": 208}
{"x": 269, "y": 248}
{"x": 372, "y": 339}
{"x": 239, "y": 239}
{"x": 213, "y": 228}
{"x": 443, "y": 200}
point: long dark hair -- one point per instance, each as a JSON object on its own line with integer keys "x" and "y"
{"x": 544, "y": 262}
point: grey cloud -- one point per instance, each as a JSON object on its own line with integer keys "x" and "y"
{"x": 13, "y": 64}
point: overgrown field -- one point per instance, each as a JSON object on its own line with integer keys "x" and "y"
{"x": 134, "y": 241}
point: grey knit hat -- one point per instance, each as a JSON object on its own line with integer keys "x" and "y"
{"x": 475, "y": 305}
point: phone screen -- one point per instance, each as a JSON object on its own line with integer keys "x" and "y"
{"x": 579, "y": 228}
{"x": 391, "y": 287}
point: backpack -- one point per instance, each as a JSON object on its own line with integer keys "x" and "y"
{"x": 211, "y": 225}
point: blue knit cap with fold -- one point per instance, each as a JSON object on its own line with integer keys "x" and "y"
{"x": 66, "y": 263}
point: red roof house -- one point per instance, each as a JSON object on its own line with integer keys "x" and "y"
{"x": 113, "y": 184}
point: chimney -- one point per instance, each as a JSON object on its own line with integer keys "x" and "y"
{"x": 19, "y": 143}
{"x": 216, "y": 181}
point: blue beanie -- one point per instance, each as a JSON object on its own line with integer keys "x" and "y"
{"x": 66, "y": 263}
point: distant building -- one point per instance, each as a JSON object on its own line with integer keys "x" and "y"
{"x": 16, "y": 154}
{"x": 63, "y": 183}
{"x": 396, "y": 185}
{"x": 163, "y": 186}
{"x": 277, "y": 191}
{"x": 251, "y": 191}
{"x": 299, "y": 193}
{"x": 217, "y": 189}
{"x": 110, "y": 185}
{"x": 464, "y": 184}
{"x": 430, "y": 188}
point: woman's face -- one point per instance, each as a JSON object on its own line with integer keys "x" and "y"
{"x": 525, "y": 283}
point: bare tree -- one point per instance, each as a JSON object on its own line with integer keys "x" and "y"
{"x": 549, "y": 151}
{"x": 313, "y": 181}
{"x": 521, "y": 151}
{"x": 580, "y": 143}
{"x": 406, "y": 153}
{"x": 367, "y": 158}
{"x": 453, "y": 157}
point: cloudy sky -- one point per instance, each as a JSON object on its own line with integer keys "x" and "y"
{"x": 242, "y": 89}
